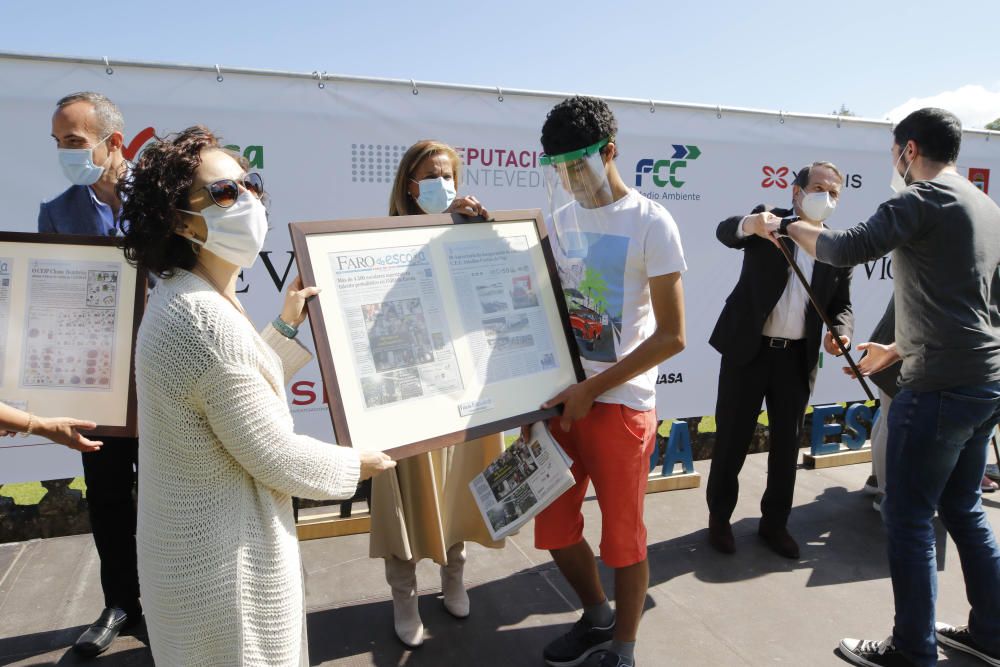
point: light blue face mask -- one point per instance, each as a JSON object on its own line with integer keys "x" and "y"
{"x": 436, "y": 194}
{"x": 78, "y": 164}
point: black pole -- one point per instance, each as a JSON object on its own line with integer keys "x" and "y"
{"x": 822, "y": 314}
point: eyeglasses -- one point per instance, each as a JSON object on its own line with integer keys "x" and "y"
{"x": 226, "y": 191}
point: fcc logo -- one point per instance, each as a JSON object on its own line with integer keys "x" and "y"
{"x": 667, "y": 172}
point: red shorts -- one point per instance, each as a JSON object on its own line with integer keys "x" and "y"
{"x": 611, "y": 446}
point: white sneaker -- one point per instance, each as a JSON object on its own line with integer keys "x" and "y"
{"x": 871, "y": 486}
{"x": 870, "y": 653}
{"x": 960, "y": 638}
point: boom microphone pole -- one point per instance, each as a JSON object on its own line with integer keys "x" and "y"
{"x": 822, "y": 314}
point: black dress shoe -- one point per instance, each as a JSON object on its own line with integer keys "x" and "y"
{"x": 720, "y": 535}
{"x": 98, "y": 637}
{"x": 779, "y": 541}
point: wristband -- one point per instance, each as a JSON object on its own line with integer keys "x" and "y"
{"x": 783, "y": 225}
{"x": 31, "y": 426}
{"x": 285, "y": 329}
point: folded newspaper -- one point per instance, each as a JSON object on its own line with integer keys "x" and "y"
{"x": 521, "y": 482}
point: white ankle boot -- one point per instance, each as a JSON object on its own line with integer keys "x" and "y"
{"x": 456, "y": 599}
{"x": 402, "y": 578}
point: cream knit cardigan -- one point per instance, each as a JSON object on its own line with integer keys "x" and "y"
{"x": 219, "y": 461}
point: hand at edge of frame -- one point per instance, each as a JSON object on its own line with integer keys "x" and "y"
{"x": 576, "y": 399}
{"x": 293, "y": 312}
{"x": 468, "y": 206}
{"x": 374, "y": 463}
{"x": 66, "y": 431}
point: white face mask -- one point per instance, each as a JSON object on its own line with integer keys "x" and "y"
{"x": 235, "y": 234}
{"x": 817, "y": 206}
{"x": 78, "y": 164}
{"x": 898, "y": 183}
{"x": 436, "y": 194}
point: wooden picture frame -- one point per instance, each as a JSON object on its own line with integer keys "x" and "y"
{"x": 432, "y": 330}
{"x": 70, "y": 308}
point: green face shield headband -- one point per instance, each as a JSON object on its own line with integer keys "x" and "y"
{"x": 571, "y": 156}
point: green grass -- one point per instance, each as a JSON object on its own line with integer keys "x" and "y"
{"x": 79, "y": 485}
{"x": 25, "y": 493}
{"x": 31, "y": 493}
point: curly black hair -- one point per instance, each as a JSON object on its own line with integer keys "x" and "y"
{"x": 577, "y": 122}
{"x": 156, "y": 188}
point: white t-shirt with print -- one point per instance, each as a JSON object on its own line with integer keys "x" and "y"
{"x": 605, "y": 258}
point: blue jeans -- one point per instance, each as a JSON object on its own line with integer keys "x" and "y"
{"x": 936, "y": 457}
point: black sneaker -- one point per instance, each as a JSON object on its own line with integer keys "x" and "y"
{"x": 578, "y": 644}
{"x": 871, "y": 485}
{"x": 873, "y": 654}
{"x": 608, "y": 659}
{"x": 960, "y": 638}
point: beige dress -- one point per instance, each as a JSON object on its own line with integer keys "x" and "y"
{"x": 424, "y": 505}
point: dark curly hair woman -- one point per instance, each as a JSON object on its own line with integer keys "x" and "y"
{"x": 219, "y": 457}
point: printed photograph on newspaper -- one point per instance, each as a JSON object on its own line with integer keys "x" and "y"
{"x": 392, "y": 307}
{"x": 432, "y": 330}
{"x": 521, "y": 482}
{"x": 495, "y": 283}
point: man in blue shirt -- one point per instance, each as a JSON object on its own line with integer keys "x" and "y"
{"x": 87, "y": 128}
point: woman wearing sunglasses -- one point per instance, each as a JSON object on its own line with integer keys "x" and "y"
{"x": 219, "y": 460}
{"x": 424, "y": 509}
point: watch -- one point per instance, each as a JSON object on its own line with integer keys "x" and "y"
{"x": 783, "y": 227}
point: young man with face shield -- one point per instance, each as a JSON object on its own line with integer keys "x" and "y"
{"x": 88, "y": 130}
{"x": 769, "y": 337}
{"x": 620, "y": 261}
{"x": 944, "y": 235}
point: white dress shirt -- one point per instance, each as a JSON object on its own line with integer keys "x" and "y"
{"x": 788, "y": 319}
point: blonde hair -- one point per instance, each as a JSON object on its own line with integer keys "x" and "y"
{"x": 400, "y": 201}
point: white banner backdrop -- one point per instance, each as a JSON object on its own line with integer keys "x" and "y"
{"x": 331, "y": 152}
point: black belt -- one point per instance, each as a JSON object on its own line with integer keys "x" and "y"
{"x": 782, "y": 343}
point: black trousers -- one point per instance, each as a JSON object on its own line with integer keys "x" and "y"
{"x": 110, "y": 475}
{"x": 780, "y": 378}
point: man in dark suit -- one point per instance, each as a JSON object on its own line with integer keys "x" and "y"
{"x": 769, "y": 337}
{"x": 88, "y": 129}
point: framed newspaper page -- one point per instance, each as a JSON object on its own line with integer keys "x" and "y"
{"x": 432, "y": 330}
{"x": 69, "y": 311}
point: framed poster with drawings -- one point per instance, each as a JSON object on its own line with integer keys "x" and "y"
{"x": 432, "y": 330}
{"x": 69, "y": 312}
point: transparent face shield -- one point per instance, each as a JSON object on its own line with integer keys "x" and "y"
{"x": 579, "y": 193}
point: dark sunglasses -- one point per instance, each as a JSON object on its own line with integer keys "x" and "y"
{"x": 225, "y": 192}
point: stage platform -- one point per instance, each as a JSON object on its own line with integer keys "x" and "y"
{"x": 703, "y": 608}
